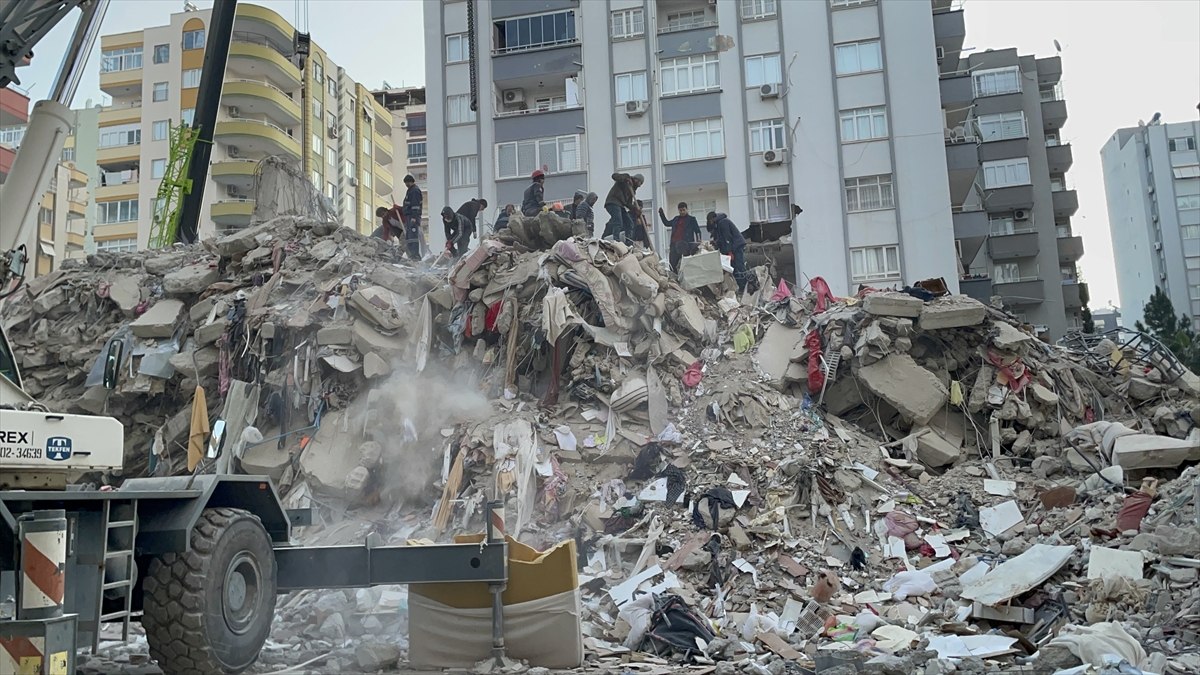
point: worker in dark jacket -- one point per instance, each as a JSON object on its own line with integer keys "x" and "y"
{"x": 641, "y": 228}
{"x": 471, "y": 208}
{"x": 729, "y": 241}
{"x": 586, "y": 212}
{"x": 621, "y": 204}
{"x": 411, "y": 209}
{"x": 458, "y": 232}
{"x": 685, "y": 234}
{"x": 502, "y": 219}
{"x": 535, "y": 195}
{"x": 391, "y": 223}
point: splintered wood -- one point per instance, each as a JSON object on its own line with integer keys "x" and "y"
{"x": 453, "y": 482}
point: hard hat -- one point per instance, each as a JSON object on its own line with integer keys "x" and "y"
{"x": 537, "y": 173}
{"x": 558, "y": 206}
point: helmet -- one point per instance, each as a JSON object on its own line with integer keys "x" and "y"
{"x": 558, "y": 206}
{"x": 538, "y": 173}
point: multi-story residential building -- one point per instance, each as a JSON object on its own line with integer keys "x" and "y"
{"x": 407, "y": 105}
{"x": 1012, "y": 202}
{"x": 1107, "y": 318}
{"x": 741, "y": 106}
{"x": 62, "y": 214}
{"x": 1152, "y": 181}
{"x": 275, "y": 100}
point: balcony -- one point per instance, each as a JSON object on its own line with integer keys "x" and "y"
{"x": 949, "y": 31}
{"x": 76, "y": 209}
{"x": 232, "y": 213}
{"x": 1074, "y": 293}
{"x": 1059, "y": 157}
{"x": 684, "y": 41}
{"x": 962, "y": 164}
{"x": 1013, "y": 246}
{"x": 119, "y": 155}
{"x": 74, "y": 239}
{"x": 1049, "y": 70}
{"x": 1054, "y": 114}
{"x": 383, "y": 185}
{"x": 1066, "y": 203}
{"x": 261, "y": 99}
{"x": 539, "y": 124}
{"x": 236, "y": 173}
{"x": 1008, "y": 198}
{"x": 554, "y": 64}
{"x": 1026, "y": 291}
{"x": 1070, "y": 249}
{"x": 122, "y": 190}
{"x": 256, "y": 138}
{"x": 14, "y": 108}
{"x": 383, "y": 148}
{"x": 253, "y": 56}
{"x": 957, "y": 92}
{"x": 266, "y": 23}
{"x": 121, "y": 113}
{"x": 970, "y": 224}
{"x": 977, "y": 286}
{"x": 122, "y": 83}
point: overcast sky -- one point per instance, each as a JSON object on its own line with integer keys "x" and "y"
{"x": 1123, "y": 60}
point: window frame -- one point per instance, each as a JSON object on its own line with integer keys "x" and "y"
{"x": 629, "y": 145}
{"x": 766, "y": 9}
{"x": 772, "y": 130}
{"x": 129, "y": 206}
{"x": 465, "y": 100}
{"x": 193, "y": 73}
{"x": 1001, "y": 124}
{"x": 888, "y": 273}
{"x": 539, "y": 160}
{"x": 675, "y": 131}
{"x": 1189, "y": 143}
{"x": 763, "y": 199}
{"x": 858, "y": 57}
{"x": 160, "y": 124}
{"x": 632, "y": 78}
{"x": 763, "y": 60}
{"x": 132, "y": 133}
{"x": 691, "y": 64}
{"x": 155, "y": 51}
{"x": 464, "y": 165}
{"x": 629, "y": 19}
{"x": 190, "y": 36}
{"x": 158, "y": 162}
{"x": 1192, "y": 202}
{"x": 463, "y": 46}
{"x": 166, "y": 92}
{"x": 1006, "y": 165}
{"x": 421, "y": 158}
{"x": 119, "y": 245}
{"x": 883, "y": 184}
{"x": 993, "y": 75}
{"x": 500, "y": 30}
{"x": 856, "y": 115}
{"x": 122, "y": 59}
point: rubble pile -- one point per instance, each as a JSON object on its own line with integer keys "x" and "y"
{"x": 901, "y": 481}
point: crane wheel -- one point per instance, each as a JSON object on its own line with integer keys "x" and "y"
{"x": 209, "y": 609}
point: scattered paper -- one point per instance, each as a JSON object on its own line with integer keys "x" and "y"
{"x": 1109, "y": 562}
{"x": 1000, "y": 488}
{"x": 735, "y": 479}
{"x": 739, "y": 497}
{"x": 655, "y": 491}
{"x": 1001, "y": 518}
{"x": 938, "y": 542}
{"x": 892, "y": 639}
{"x": 566, "y": 438}
{"x": 623, "y": 592}
{"x": 871, "y": 597}
{"x": 962, "y": 646}
{"x": 792, "y": 609}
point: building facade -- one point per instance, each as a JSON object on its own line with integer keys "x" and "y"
{"x": 1012, "y": 201}
{"x": 274, "y": 101}
{"x": 408, "y": 136}
{"x": 1152, "y": 183}
{"x": 740, "y": 106}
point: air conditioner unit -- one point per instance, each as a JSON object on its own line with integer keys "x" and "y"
{"x": 770, "y": 90}
{"x": 233, "y": 192}
{"x": 403, "y": 124}
{"x": 333, "y": 132}
{"x": 635, "y": 108}
{"x": 234, "y": 111}
{"x": 233, "y": 151}
{"x": 353, "y": 182}
{"x": 1158, "y": 246}
{"x": 941, "y": 54}
{"x": 513, "y": 96}
{"x": 774, "y": 157}
{"x": 1021, "y": 214}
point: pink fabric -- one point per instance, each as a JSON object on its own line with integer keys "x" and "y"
{"x": 816, "y": 376}
{"x": 824, "y": 295}
{"x": 782, "y": 292}
{"x": 693, "y": 375}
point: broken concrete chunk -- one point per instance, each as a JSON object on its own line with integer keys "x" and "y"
{"x": 375, "y": 366}
{"x": 210, "y": 333}
{"x": 702, "y": 269}
{"x": 163, "y": 263}
{"x": 392, "y": 278}
{"x": 952, "y": 311}
{"x": 379, "y": 306}
{"x": 335, "y": 335}
{"x": 1043, "y": 395}
{"x": 126, "y": 292}
{"x": 1144, "y": 451}
{"x": 885, "y": 303}
{"x": 239, "y": 242}
{"x": 198, "y": 364}
{"x": 190, "y": 280}
{"x": 158, "y": 321}
{"x": 912, "y": 390}
{"x": 1008, "y": 336}
{"x": 775, "y": 351}
{"x": 1141, "y": 389}
{"x": 368, "y": 340}
{"x": 935, "y": 451}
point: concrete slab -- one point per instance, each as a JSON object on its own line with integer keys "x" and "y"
{"x": 1145, "y": 451}
{"x": 379, "y": 306}
{"x": 210, "y": 333}
{"x": 702, "y": 269}
{"x": 335, "y": 335}
{"x": 190, "y": 280}
{"x": 775, "y": 351}
{"x": 1009, "y": 336}
{"x": 893, "y": 304}
{"x": 952, "y": 311}
{"x": 368, "y": 340}
{"x": 158, "y": 321}
{"x": 205, "y": 362}
{"x": 126, "y": 292}
{"x": 375, "y": 366}
{"x": 913, "y": 391}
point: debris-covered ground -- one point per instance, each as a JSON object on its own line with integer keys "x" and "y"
{"x": 903, "y": 481}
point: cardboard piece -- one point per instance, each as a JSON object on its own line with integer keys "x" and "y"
{"x": 699, "y": 270}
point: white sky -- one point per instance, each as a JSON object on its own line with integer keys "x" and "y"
{"x": 1123, "y": 60}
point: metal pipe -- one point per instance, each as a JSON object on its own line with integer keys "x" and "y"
{"x": 495, "y": 536}
{"x": 70, "y": 72}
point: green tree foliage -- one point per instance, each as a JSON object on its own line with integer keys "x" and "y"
{"x": 1089, "y": 325}
{"x": 1174, "y": 331}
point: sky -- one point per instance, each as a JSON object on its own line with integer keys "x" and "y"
{"x": 1123, "y": 61}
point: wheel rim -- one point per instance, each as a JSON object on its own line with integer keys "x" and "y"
{"x": 243, "y": 584}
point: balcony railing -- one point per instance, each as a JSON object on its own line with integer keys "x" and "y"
{"x": 500, "y": 51}
{"x": 692, "y": 25}
{"x": 258, "y": 39}
{"x": 260, "y": 82}
{"x": 536, "y": 110}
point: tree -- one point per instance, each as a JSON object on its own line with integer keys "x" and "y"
{"x": 1089, "y": 325}
{"x": 1173, "y": 331}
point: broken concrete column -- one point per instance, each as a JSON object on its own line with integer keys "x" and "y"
{"x": 912, "y": 390}
{"x": 885, "y": 303}
{"x": 158, "y": 321}
{"x": 190, "y": 280}
{"x": 952, "y": 311}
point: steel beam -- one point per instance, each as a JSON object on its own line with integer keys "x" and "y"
{"x": 301, "y": 568}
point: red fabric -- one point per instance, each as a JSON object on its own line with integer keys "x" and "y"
{"x": 782, "y": 292}
{"x": 816, "y": 377}
{"x": 394, "y": 212}
{"x": 824, "y": 295}
{"x": 1015, "y": 372}
{"x": 489, "y": 320}
{"x": 693, "y": 375}
{"x": 1133, "y": 510}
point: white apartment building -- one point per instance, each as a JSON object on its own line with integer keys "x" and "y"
{"x": 1152, "y": 182}
{"x": 741, "y": 106}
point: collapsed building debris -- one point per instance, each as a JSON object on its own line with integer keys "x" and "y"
{"x": 895, "y": 481}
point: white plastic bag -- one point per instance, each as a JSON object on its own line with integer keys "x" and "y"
{"x": 911, "y": 583}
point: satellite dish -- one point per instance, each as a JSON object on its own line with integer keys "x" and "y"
{"x": 1057, "y": 47}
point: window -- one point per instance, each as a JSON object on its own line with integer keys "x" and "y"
{"x": 762, "y": 70}
{"x": 631, "y": 87}
{"x": 162, "y": 53}
{"x": 1190, "y": 231}
{"x": 122, "y": 211}
{"x": 869, "y": 193}
{"x": 858, "y": 57}
{"x": 550, "y": 103}
{"x": 1180, "y": 144}
{"x": 161, "y": 91}
{"x": 1006, "y": 273}
{"x": 633, "y": 151}
{"x": 863, "y": 124}
{"x": 351, "y": 169}
{"x": 531, "y": 32}
{"x": 366, "y": 145}
{"x": 331, "y": 155}
{"x": 552, "y": 155}
{"x": 997, "y": 81}
{"x": 628, "y": 23}
{"x": 193, "y": 39}
{"x": 127, "y": 245}
{"x": 696, "y": 139}
{"x": 1002, "y": 126}
{"x": 457, "y": 49}
{"x": 317, "y": 145}
{"x": 1192, "y": 262}
{"x": 331, "y": 86}
{"x": 1185, "y": 202}
{"x": 687, "y": 74}
{"x": 331, "y": 190}
{"x": 873, "y": 263}
{"x": 1187, "y": 171}
{"x": 1000, "y": 224}
{"x": 416, "y": 152}
{"x": 12, "y": 136}
{"x": 191, "y": 78}
{"x": 758, "y": 9}
{"x": 849, "y": 3}
{"x": 120, "y": 135}
{"x": 160, "y": 130}
{"x": 318, "y": 70}
{"x": 1058, "y": 183}
{"x": 766, "y": 135}
{"x": 366, "y": 179}
{"x": 318, "y": 109}
{"x": 1006, "y": 173}
{"x": 771, "y": 204}
{"x": 158, "y": 168}
{"x": 45, "y": 216}
{"x": 187, "y": 116}
{"x": 115, "y": 60}
{"x": 68, "y": 154}
{"x": 459, "y": 109}
{"x": 684, "y": 20}
{"x": 464, "y": 171}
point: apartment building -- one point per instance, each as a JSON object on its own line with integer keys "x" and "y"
{"x": 741, "y": 106}
{"x": 1152, "y": 183}
{"x": 1008, "y": 163}
{"x": 282, "y": 95}
{"x": 408, "y": 136}
{"x": 62, "y": 214}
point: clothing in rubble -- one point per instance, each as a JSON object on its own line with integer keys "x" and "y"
{"x": 621, "y": 204}
{"x": 535, "y": 195}
{"x": 676, "y": 628}
{"x": 718, "y": 498}
{"x": 685, "y": 235}
{"x": 729, "y": 241}
{"x": 458, "y": 231}
{"x": 411, "y": 209}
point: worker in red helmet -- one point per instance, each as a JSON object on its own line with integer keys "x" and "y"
{"x": 534, "y": 199}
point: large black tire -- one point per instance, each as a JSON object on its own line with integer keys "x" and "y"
{"x": 209, "y": 610}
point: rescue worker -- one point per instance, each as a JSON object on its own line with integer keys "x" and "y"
{"x": 391, "y": 224}
{"x": 458, "y": 232}
{"x": 641, "y": 228}
{"x": 534, "y": 199}
{"x": 576, "y": 200}
{"x": 586, "y": 212}
{"x": 411, "y": 210}
{"x": 685, "y": 235}
{"x": 729, "y": 241}
{"x": 621, "y": 204}
{"x": 502, "y": 219}
{"x": 471, "y": 208}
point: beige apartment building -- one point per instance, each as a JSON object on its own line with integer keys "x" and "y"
{"x": 408, "y": 136}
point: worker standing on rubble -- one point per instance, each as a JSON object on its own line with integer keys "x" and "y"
{"x": 585, "y": 211}
{"x": 685, "y": 235}
{"x": 458, "y": 232}
{"x": 534, "y": 199}
{"x": 641, "y": 228}
{"x": 621, "y": 204}
{"x": 391, "y": 223}
{"x": 729, "y": 241}
{"x": 505, "y": 213}
{"x": 471, "y": 208}
{"x": 411, "y": 209}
